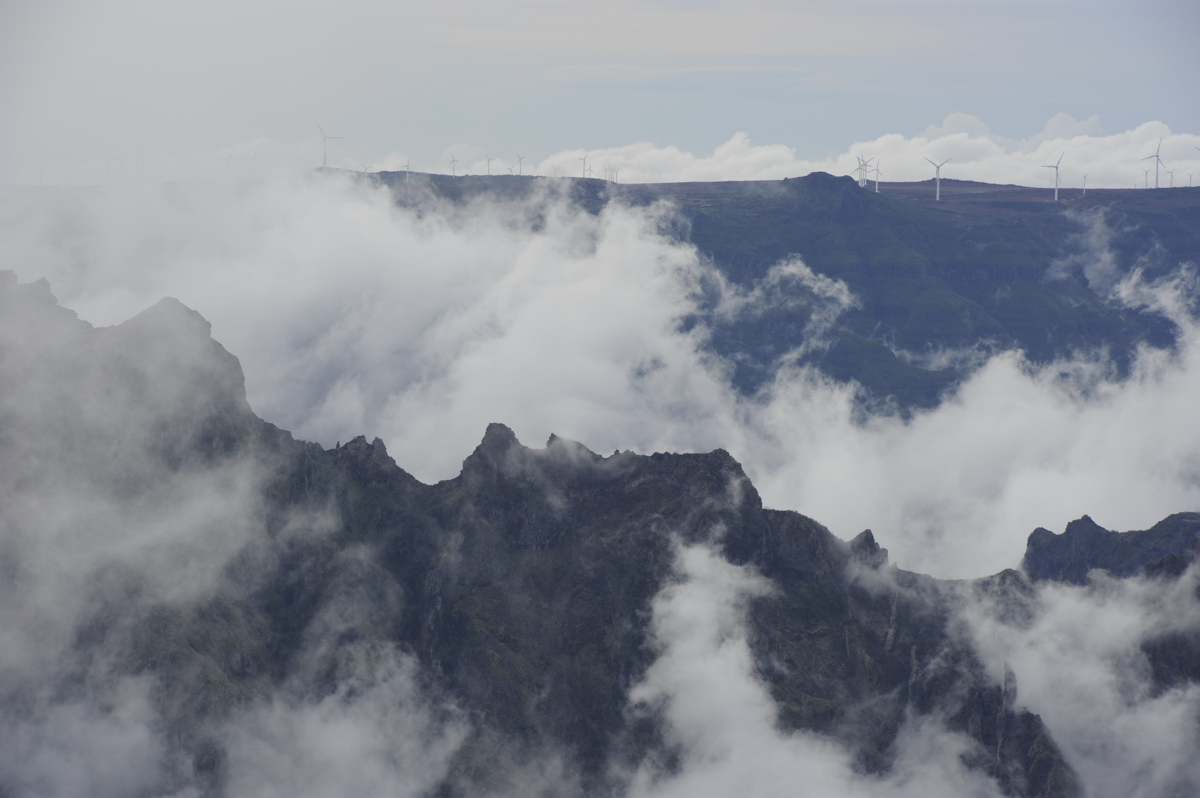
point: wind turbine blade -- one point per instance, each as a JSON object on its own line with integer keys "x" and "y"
{"x": 1056, "y": 163}
{"x": 932, "y": 162}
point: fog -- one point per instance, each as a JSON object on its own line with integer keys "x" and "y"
{"x": 724, "y": 720}
{"x": 973, "y": 151}
{"x": 352, "y": 316}
{"x": 1076, "y": 652}
{"x": 1089, "y": 154}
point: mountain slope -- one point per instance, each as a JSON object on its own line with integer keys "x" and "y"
{"x": 203, "y": 556}
{"x": 938, "y": 283}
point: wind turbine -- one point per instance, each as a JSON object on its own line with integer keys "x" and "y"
{"x": 324, "y": 148}
{"x": 877, "y": 173}
{"x": 1171, "y": 174}
{"x": 617, "y": 174}
{"x": 1189, "y": 179}
{"x": 556, "y": 170}
{"x": 453, "y": 161}
{"x": 1085, "y": 185}
{"x": 519, "y": 159}
{"x": 489, "y": 160}
{"x": 1147, "y": 173}
{"x": 1157, "y": 161}
{"x": 938, "y": 177}
{"x": 1055, "y": 168}
{"x": 406, "y": 163}
{"x": 584, "y": 159}
{"x": 864, "y": 169}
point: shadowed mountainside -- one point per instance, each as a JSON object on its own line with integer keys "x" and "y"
{"x": 1085, "y": 545}
{"x": 937, "y": 284}
{"x": 522, "y": 589}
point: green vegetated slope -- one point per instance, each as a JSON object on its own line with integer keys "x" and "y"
{"x": 522, "y": 589}
{"x": 987, "y": 268}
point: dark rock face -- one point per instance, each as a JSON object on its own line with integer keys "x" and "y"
{"x": 527, "y": 584}
{"x": 1086, "y": 545}
{"x": 522, "y": 588}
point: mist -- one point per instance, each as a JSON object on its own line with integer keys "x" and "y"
{"x": 351, "y": 315}
{"x": 723, "y": 719}
{"x": 1078, "y": 656}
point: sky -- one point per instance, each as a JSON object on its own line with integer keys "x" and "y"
{"x": 107, "y": 90}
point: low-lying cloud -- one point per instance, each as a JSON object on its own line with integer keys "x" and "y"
{"x": 1077, "y": 655}
{"x": 1089, "y": 155}
{"x": 974, "y": 153}
{"x": 352, "y": 316}
{"x": 722, "y": 718}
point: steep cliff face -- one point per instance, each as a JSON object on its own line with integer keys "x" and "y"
{"x": 521, "y": 593}
{"x": 527, "y": 585}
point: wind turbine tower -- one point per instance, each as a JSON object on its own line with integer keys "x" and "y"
{"x": 863, "y": 170}
{"x": 489, "y": 160}
{"x": 584, "y": 171}
{"x": 1055, "y": 168}
{"x": 519, "y": 159}
{"x": 324, "y": 148}
{"x": 877, "y": 173}
{"x": 1157, "y": 162}
{"x": 938, "y": 177}
{"x": 453, "y": 161}
{"x": 1147, "y": 173}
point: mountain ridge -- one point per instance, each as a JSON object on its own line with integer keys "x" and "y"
{"x": 523, "y": 589}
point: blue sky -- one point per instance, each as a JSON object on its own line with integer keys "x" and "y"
{"x": 133, "y": 79}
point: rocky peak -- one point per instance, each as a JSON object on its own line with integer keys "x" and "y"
{"x": 865, "y": 550}
{"x": 1085, "y": 545}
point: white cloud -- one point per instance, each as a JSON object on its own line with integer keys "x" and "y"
{"x": 1079, "y": 665}
{"x": 723, "y": 718}
{"x": 374, "y": 735}
{"x": 352, "y": 316}
{"x": 1108, "y": 161}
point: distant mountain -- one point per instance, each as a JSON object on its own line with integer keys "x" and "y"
{"x": 1085, "y": 546}
{"x": 988, "y": 268}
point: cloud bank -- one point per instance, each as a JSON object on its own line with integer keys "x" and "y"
{"x": 1077, "y": 653}
{"x": 1117, "y": 160}
{"x": 1107, "y": 161}
{"x": 351, "y": 315}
